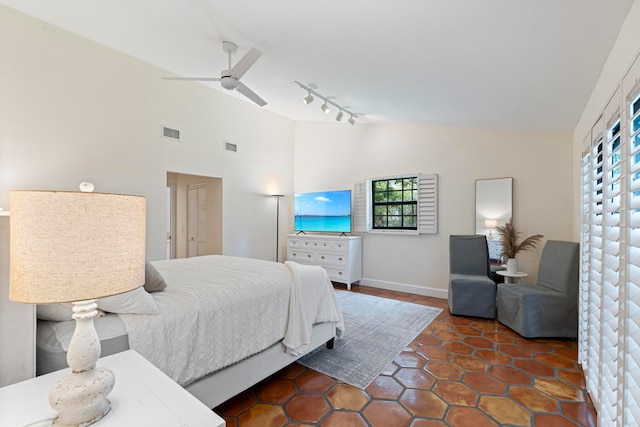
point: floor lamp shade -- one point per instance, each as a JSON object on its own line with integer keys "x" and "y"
{"x": 74, "y": 246}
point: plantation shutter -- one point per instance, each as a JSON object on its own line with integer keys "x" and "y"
{"x": 360, "y": 208}
{"x": 612, "y": 259}
{"x": 631, "y": 369}
{"x": 585, "y": 250}
{"x": 428, "y": 203}
{"x": 609, "y": 340}
{"x": 595, "y": 270}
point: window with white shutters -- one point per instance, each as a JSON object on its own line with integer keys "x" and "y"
{"x": 401, "y": 204}
{"x": 609, "y": 315}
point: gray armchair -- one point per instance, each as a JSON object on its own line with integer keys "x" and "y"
{"x": 471, "y": 291}
{"x": 549, "y": 308}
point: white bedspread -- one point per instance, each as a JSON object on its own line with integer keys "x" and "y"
{"x": 216, "y": 311}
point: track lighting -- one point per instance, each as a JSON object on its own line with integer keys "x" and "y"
{"x": 308, "y": 99}
{"x": 325, "y": 106}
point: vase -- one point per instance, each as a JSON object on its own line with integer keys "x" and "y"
{"x": 512, "y": 265}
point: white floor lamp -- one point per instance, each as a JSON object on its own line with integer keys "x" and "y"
{"x": 277, "y": 196}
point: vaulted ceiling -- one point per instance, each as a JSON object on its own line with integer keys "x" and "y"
{"x": 506, "y": 64}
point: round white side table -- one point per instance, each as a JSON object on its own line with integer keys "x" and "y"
{"x": 512, "y": 277}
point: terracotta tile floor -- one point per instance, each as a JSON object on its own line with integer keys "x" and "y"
{"x": 459, "y": 372}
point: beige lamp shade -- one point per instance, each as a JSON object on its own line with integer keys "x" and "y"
{"x": 490, "y": 223}
{"x": 75, "y": 246}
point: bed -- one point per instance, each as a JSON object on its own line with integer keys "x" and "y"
{"x": 214, "y": 324}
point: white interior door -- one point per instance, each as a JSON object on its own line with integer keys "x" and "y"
{"x": 171, "y": 221}
{"x": 196, "y": 220}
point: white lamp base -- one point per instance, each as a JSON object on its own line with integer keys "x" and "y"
{"x": 81, "y": 397}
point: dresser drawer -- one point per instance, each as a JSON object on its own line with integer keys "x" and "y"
{"x": 300, "y": 255}
{"x": 293, "y": 243}
{"x": 336, "y": 273}
{"x": 332, "y": 258}
{"x": 340, "y": 247}
{"x": 315, "y": 244}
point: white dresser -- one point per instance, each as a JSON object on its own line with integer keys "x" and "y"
{"x": 340, "y": 256}
{"x": 495, "y": 248}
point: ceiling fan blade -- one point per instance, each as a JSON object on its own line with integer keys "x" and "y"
{"x": 203, "y": 79}
{"x": 243, "y": 65}
{"x": 251, "y": 94}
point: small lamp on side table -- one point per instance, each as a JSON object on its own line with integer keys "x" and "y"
{"x": 490, "y": 224}
{"x": 76, "y": 247}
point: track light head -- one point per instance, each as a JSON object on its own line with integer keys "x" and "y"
{"x": 325, "y": 108}
{"x": 339, "y": 116}
{"x": 308, "y": 99}
{"x": 352, "y": 121}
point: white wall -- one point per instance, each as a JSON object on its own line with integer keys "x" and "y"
{"x": 334, "y": 156}
{"x": 72, "y": 110}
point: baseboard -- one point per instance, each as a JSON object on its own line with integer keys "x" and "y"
{"x": 404, "y": 287}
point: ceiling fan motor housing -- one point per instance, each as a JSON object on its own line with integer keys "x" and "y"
{"x": 228, "y": 82}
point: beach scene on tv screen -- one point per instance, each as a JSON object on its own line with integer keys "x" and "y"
{"x": 328, "y": 211}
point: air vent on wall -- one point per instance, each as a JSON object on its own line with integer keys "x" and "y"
{"x": 170, "y": 133}
{"x": 230, "y": 147}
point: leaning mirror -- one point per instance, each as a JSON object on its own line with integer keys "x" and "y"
{"x": 494, "y": 206}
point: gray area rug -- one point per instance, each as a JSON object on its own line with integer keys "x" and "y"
{"x": 376, "y": 331}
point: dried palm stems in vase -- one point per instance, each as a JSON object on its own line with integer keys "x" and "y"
{"x": 510, "y": 246}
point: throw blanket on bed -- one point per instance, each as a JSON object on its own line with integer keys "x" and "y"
{"x": 215, "y": 311}
{"x": 312, "y": 301}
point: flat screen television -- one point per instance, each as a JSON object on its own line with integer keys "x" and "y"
{"x": 324, "y": 211}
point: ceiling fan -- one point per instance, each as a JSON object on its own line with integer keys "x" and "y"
{"x": 230, "y": 78}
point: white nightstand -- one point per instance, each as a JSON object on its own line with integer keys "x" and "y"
{"x": 143, "y": 395}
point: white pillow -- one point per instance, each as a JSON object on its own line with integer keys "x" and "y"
{"x": 56, "y": 312}
{"x": 137, "y": 301}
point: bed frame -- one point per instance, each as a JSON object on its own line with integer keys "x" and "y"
{"x": 220, "y": 386}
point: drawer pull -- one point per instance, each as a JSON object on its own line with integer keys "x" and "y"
{"x": 322, "y": 257}
{"x": 309, "y": 256}
{"x": 295, "y": 254}
{"x": 340, "y": 273}
{"x": 340, "y": 259}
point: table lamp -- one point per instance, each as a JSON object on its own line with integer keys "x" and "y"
{"x": 490, "y": 224}
{"x": 76, "y": 247}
